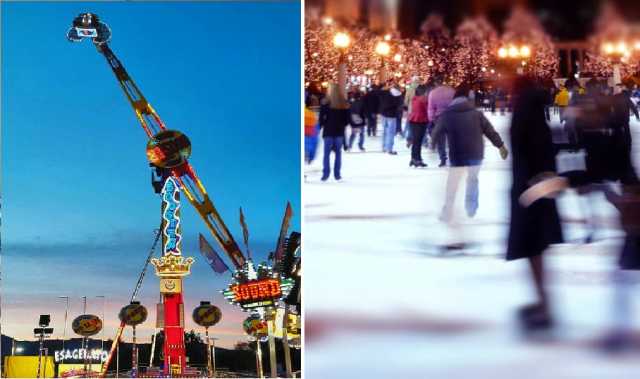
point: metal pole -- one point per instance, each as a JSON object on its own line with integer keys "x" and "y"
{"x": 153, "y": 347}
{"x": 134, "y": 355}
{"x": 40, "y": 351}
{"x": 285, "y": 343}
{"x": 64, "y": 329}
{"x": 117, "y": 359}
{"x": 84, "y": 339}
{"x": 213, "y": 355}
{"x": 259, "y": 359}
{"x": 272, "y": 347}
{"x": 104, "y": 322}
{"x": 209, "y": 367}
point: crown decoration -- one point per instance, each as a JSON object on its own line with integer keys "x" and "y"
{"x": 172, "y": 265}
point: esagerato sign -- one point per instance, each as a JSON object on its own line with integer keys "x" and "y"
{"x": 94, "y": 355}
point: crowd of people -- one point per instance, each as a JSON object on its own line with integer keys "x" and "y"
{"x": 594, "y": 118}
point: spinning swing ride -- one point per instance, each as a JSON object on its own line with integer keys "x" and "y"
{"x": 168, "y": 152}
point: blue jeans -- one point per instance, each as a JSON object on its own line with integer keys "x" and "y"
{"x": 332, "y": 144}
{"x": 442, "y": 143}
{"x": 472, "y": 193}
{"x": 359, "y": 130}
{"x": 389, "y": 125}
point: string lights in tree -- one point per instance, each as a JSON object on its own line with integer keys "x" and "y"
{"x": 522, "y": 28}
{"x": 476, "y": 41}
{"x": 439, "y": 48}
{"x": 612, "y": 43}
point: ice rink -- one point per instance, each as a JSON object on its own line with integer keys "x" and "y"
{"x": 387, "y": 302}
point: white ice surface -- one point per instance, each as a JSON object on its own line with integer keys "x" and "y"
{"x": 371, "y": 254}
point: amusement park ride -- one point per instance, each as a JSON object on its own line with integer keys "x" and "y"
{"x": 168, "y": 152}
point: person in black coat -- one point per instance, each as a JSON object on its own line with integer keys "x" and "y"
{"x": 334, "y": 118}
{"x": 357, "y": 121}
{"x": 532, "y": 229}
{"x": 371, "y": 102}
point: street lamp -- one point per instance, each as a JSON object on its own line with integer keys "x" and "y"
{"x": 515, "y": 52}
{"x": 382, "y": 49}
{"x": 104, "y": 322}
{"x": 64, "y": 330}
{"x": 617, "y": 52}
{"x": 341, "y": 40}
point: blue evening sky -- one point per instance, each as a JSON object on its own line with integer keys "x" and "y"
{"x": 78, "y": 207}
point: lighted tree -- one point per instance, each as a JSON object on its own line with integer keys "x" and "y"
{"x": 439, "y": 48}
{"x": 476, "y": 43}
{"x": 321, "y": 56}
{"x": 523, "y": 28}
{"x": 610, "y": 28}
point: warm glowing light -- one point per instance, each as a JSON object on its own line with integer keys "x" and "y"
{"x": 350, "y": 57}
{"x": 621, "y": 47}
{"x": 314, "y": 55}
{"x": 397, "y": 57}
{"x": 383, "y": 48}
{"x": 637, "y": 45}
{"x": 502, "y": 52}
{"x": 341, "y": 40}
{"x": 493, "y": 71}
{"x": 430, "y": 63}
{"x": 387, "y": 37}
{"x": 523, "y": 63}
{"x": 327, "y": 20}
{"x": 484, "y": 69}
{"x": 325, "y": 84}
{"x": 608, "y": 48}
{"x": 513, "y": 52}
{"x": 525, "y": 51}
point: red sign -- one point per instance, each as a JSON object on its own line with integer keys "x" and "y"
{"x": 256, "y": 290}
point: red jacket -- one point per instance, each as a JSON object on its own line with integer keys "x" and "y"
{"x": 419, "y": 110}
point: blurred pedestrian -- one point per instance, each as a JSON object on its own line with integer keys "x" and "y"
{"x": 418, "y": 120}
{"x": 311, "y": 127}
{"x": 438, "y": 100}
{"x": 464, "y": 127}
{"x": 532, "y": 229}
{"x": 391, "y": 103}
{"x": 357, "y": 121}
{"x": 334, "y": 121}
{"x": 562, "y": 101}
{"x": 371, "y": 102}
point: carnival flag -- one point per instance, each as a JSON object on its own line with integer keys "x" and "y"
{"x": 245, "y": 232}
{"x": 288, "y": 213}
{"x": 212, "y": 257}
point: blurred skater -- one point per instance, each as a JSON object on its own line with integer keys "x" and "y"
{"x": 532, "y": 229}
{"x": 311, "y": 128}
{"x": 357, "y": 121}
{"x": 464, "y": 127}
{"x": 391, "y": 104}
{"x": 334, "y": 120}
{"x": 418, "y": 120}
{"x": 438, "y": 101}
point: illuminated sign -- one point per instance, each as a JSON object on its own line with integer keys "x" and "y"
{"x": 171, "y": 228}
{"x": 257, "y": 289}
{"x": 95, "y": 355}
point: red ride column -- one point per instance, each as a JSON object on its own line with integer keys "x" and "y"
{"x": 174, "y": 349}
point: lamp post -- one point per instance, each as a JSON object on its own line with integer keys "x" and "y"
{"x": 104, "y": 307}
{"x": 514, "y": 53}
{"x": 64, "y": 329}
{"x": 617, "y": 52}
{"x": 382, "y": 49}
{"x": 341, "y": 41}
